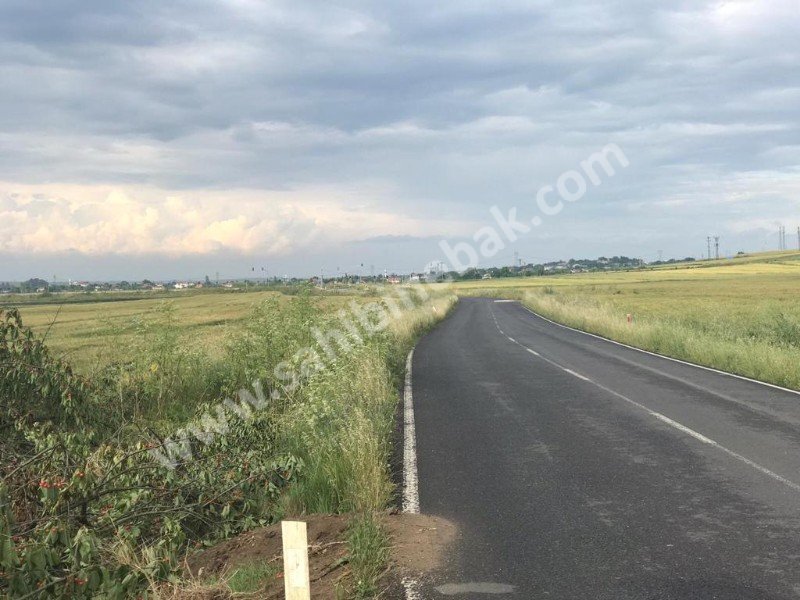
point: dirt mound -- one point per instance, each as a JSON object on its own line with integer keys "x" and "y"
{"x": 417, "y": 542}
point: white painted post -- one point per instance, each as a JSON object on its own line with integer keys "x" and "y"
{"x": 295, "y": 560}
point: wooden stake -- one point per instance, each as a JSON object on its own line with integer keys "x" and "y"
{"x": 295, "y": 560}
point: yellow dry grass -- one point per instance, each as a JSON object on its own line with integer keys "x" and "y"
{"x": 741, "y": 315}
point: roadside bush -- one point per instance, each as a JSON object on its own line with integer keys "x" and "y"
{"x": 83, "y": 516}
{"x": 342, "y": 432}
{"x": 275, "y": 330}
{"x": 35, "y": 387}
{"x": 97, "y": 500}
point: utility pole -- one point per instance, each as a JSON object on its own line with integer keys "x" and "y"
{"x": 798, "y": 238}
{"x": 716, "y": 246}
{"x": 708, "y": 241}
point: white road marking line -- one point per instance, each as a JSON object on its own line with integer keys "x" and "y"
{"x": 410, "y": 479}
{"x": 578, "y": 375}
{"x": 412, "y": 590}
{"x": 677, "y": 360}
{"x": 665, "y": 419}
{"x": 700, "y": 437}
{"x": 501, "y": 301}
{"x": 512, "y": 339}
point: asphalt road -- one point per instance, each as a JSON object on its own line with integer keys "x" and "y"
{"x": 577, "y": 468}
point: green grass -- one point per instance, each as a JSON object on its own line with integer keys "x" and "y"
{"x": 369, "y": 554}
{"x": 83, "y": 332}
{"x": 321, "y": 446}
{"x": 741, "y": 315}
{"x": 249, "y": 579}
{"x": 84, "y": 329}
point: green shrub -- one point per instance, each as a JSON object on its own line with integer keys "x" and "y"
{"x": 99, "y": 499}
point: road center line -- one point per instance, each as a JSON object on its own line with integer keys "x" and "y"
{"x": 672, "y": 423}
{"x": 700, "y": 437}
{"x": 578, "y": 375}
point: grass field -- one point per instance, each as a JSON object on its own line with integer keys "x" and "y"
{"x": 85, "y": 333}
{"x": 154, "y": 366}
{"x": 740, "y": 315}
{"x": 90, "y": 334}
{"x": 177, "y": 377}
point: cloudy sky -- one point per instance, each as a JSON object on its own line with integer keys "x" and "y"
{"x": 178, "y": 139}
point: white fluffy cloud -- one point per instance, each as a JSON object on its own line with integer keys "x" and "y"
{"x": 98, "y": 220}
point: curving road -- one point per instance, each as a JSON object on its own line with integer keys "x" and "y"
{"x": 578, "y": 468}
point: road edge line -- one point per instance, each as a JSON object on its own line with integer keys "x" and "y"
{"x": 662, "y": 417}
{"x": 410, "y": 475}
{"x": 677, "y": 360}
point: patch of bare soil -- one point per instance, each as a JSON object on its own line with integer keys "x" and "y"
{"x": 418, "y": 546}
{"x": 419, "y": 542}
